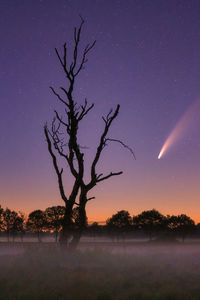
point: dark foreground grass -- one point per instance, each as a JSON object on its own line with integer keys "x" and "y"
{"x": 147, "y": 273}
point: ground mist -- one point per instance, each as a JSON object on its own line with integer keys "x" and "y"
{"x": 143, "y": 271}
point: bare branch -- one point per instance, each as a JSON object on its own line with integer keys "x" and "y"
{"x": 58, "y": 172}
{"x": 65, "y": 55}
{"x": 108, "y": 115}
{"x": 85, "y": 110}
{"x": 60, "y": 119}
{"x": 58, "y": 55}
{"x": 58, "y": 145}
{"x": 64, "y": 62}
{"x": 97, "y": 177}
{"x": 108, "y": 121}
{"x": 124, "y": 145}
{"x": 59, "y": 97}
{"x": 91, "y": 198}
{"x": 55, "y": 135}
{"x": 109, "y": 175}
{"x": 76, "y": 40}
{"x": 84, "y": 59}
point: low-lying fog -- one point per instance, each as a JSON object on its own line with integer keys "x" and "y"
{"x": 100, "y": 270}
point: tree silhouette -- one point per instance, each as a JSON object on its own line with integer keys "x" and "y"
{"x": 94, "y": 229}
{"x": 8, "y": 222}
{"x": 149, "y": 221}
{"x": 1, "y": 218}
{"x": 121, "y": 219}
{"x": 119, "y": 223}
{"x": 36, "y": 222}
{"x": 62, "y": 140}
{"x": 181, "y": 225}
{"x": 19, "y": 225}
{"x": 54, "y": 219}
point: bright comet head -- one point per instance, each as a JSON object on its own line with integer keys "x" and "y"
{"x": 162, "y": 150}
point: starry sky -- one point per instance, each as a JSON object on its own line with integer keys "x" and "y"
{"x": 147, "y": 59}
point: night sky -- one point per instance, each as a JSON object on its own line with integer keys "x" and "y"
{"x": 147, "y": 59}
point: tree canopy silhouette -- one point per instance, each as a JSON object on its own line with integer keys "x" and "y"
{"x": 121, "y": 219}
{"x": 54, "y": 218}
{"x": 149, "y": 221}
{"x": 36, "y": 222}
{"x": 181, "y": 225}
{"x": 10, "y": 221}
{"x": 67, "y": 146}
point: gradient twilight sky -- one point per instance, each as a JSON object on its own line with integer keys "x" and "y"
{"x": 147, "y": 59}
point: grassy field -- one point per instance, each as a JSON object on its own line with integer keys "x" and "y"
{"x": 140, "y": 272}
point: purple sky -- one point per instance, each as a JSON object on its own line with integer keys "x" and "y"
{"x": 147, "y": 59}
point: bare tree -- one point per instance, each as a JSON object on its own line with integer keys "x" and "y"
{"x": 69, "y": 149}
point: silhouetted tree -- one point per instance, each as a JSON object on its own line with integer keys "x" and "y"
{"x": 121, "y": 219}
{"x": 181, "y": 225}
{"x": 1, "y": 218}
{"x": 54, "y": 218}
{"x": 119, "y": 223}
{"x": 36, "y": 222}
{"x": 94, "y": 225}
{"x": 94, "y": 229}
{"x": 62, "y": 140}
{"x": 198, "y": 226}
{"x": 19, "y": 225}
{"x": 8, "y": 223}
{"x": 149, "y": 221}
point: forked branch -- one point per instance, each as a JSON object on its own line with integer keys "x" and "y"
{"x": 108, "y": 121}
{"x": 58, "y": 172}
{"x": 59, "y": 97}
{"x": 73, "y": 70}
{"x": 84, "y": 110}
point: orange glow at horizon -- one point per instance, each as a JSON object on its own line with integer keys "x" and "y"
{"x": 182, "y": 124}
{"x": 108, "y": 204}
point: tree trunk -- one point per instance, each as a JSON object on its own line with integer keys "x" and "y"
{"x": 67, "y": 225}
{"x": 82, "y": 221}
{"x": 75, "y": 239}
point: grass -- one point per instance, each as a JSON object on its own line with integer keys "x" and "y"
{"x": 153, "y": 272}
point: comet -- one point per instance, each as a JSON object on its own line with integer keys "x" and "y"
{"x": 180, "y": 127}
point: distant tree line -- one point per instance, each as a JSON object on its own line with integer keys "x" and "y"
{"x": 150, "y": 224}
